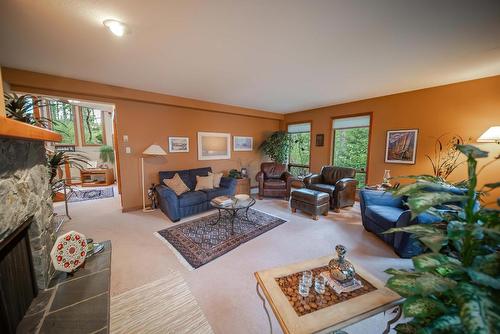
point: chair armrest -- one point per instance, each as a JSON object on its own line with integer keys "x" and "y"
{"x": 344, "y": 183}
{"x": 286, "y": 176}
{"x": 228, "y": 182}
{"x": 259, "y": 177}
{"x": 376, "y": 197}
{"x": 168, "y": 201}
{"x": 312, "y": 179}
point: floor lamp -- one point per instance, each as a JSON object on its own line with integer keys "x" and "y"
{"x": 154, "y": 151}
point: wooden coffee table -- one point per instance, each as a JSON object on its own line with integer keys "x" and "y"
{"x": 329, "y": 318}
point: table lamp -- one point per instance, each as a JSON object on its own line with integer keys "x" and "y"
{"x": 492, "y": 135}
{"x": 153, "y": 150}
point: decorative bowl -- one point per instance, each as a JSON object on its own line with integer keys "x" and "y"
{"x": 242, "y": 197}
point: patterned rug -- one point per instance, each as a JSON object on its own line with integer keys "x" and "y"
{"x": 163, "y": 306}
{"x": 79, "y": 195}
{"x": 197, "y": 242}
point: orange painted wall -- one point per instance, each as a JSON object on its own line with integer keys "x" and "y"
{"x": 146, "y": 124}
{"x": 149, "y": 118}
{"x": 466, "y": 108}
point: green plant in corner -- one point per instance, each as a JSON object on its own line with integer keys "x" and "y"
{"x": 20, "y": 108}
{"x": 455, "y": 288}
{"x": 107, "y": 154}
{"x": 277, "y": 146}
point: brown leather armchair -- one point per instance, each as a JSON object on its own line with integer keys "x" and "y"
{"x": 274, "y": 180}
{"x": 338, "y": 182}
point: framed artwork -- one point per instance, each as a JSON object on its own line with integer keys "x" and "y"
{"x": 178, "y": 144}
{"x": 401, "y": 146}
{"x": 242, "y": 143}
{"x": 320, "y": 139}
{"x": 214, "y": 146}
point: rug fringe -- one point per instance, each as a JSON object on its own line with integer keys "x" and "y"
{"x": 181, "y": 259}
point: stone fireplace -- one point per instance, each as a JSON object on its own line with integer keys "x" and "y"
{"x": 25, "y": 195}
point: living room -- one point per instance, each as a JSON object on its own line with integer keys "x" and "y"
{"x": 249, "y": 171}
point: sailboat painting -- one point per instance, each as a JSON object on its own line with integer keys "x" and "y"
{"x": 401, "y": 146}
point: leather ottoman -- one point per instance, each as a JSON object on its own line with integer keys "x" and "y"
{"x": 310, "y": 201}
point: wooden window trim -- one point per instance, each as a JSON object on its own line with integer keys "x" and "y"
{"x": 310, "y": 140}
{"x": 73, "y": 109}
{"x": 370, "y": 132}
{"x": 82, "y": 129}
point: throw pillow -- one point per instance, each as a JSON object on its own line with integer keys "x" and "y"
{"x": 217, "y": 177}
{"x": 176, "y": 184}
{"x": 204, "y": 182}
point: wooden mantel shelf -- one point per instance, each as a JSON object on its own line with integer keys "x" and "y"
{"x": 15, "y": 129}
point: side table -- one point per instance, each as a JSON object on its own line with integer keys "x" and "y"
{"x": 243, "y": 186}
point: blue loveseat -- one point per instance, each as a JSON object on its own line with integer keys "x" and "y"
{"x": 191, "y": 202}
{"x": 380, "y": 211}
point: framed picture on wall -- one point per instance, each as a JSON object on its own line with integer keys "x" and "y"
{"x": 401, "y": 146}
{"x": 178, "y": 144}
{"x": 320, "y": 139}
{"x": 242, "y": 143}
{"x": 214, "y": 146}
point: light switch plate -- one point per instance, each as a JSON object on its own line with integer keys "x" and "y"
{"x": 125, "y": 138}
{"x": 128, "y": 150}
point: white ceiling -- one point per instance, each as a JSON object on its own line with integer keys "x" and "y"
{"x": 275, "y": 55}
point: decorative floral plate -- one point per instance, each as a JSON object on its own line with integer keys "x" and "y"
{"x": 69, "y": 251}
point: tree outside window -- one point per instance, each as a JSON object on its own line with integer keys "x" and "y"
{"x": 351, "y": 150}
{"x": 92, "y": 126}
{"x": 300, "y": 149}
{"x": 63, "y": 117}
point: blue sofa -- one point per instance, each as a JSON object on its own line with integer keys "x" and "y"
{"x": 380, "y": 211}
{"x": 191, "y": 202}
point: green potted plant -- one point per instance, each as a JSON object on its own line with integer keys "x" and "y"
{"x": 107, "y": 154}
{"x": 20, "y": 108}
{"x": 277, "y": 146}
{"x": 55, "y": 161}
{"x": 455, "y": 287}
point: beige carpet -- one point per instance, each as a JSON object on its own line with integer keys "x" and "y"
{"x": 163, "y": 306}
{"x": 225, "y": 288}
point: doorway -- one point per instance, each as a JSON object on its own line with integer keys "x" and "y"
{"x": 350, "y": 144}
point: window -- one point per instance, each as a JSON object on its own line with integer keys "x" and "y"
{"x": 92, "y": 126}
{"x": 300, "y": 148}
{"x": 63, "y": 117}
{"x": 350, "y": 145}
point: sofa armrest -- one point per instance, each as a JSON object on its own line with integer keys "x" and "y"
{"x": 229, "y": 183}
{"x": 344, "y": 183}
{"x": 312, "y": 179}
{"x": 376, "y": 197}
{"x": 168, "y": 201}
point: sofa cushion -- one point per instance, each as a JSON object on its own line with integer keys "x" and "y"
{"x": 383, "y": 216}
{"x": 176, "y": 184}
{"x": 217, "y": 178}
{"x": 188, "y": 176}
{"x": 192, "y": 198}
{"x": 326, "y": 188}
{"x": 204, "y": 182}
{"x": 215, "y": 192}
{"x": 274, "y": 184}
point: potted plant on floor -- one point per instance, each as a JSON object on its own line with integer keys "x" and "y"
{"x": 455, "y": 288}
{"x": 55, "y": 162}
{"x": 106, "y": 154}
{"x": 277, "y": 146}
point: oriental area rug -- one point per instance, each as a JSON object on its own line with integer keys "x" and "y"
{"x": 200, "y": 241}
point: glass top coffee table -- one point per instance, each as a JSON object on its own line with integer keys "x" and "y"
{"x": 237, "y": 208}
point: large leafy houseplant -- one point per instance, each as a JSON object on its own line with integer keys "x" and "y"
{"x": 56, "y": 160}
{"x": 454, "y": 288}
{"x": 20, "y": 108}
{"x": 277, "y": 146}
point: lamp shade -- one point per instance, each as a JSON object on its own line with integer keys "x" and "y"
{"x": 492, "y": 135}
{"x": 154, "y": 150}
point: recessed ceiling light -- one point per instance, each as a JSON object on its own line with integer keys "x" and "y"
{"x": 116, "y": 27}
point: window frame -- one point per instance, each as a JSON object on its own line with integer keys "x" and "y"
{"x": 370, "y": 128}
{"x": 308, "y": 166}
{"x": 82, "y": 129}
{"x": 75, "y": 115}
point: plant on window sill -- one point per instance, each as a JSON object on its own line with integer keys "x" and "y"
{"x": 455, "y": 288}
